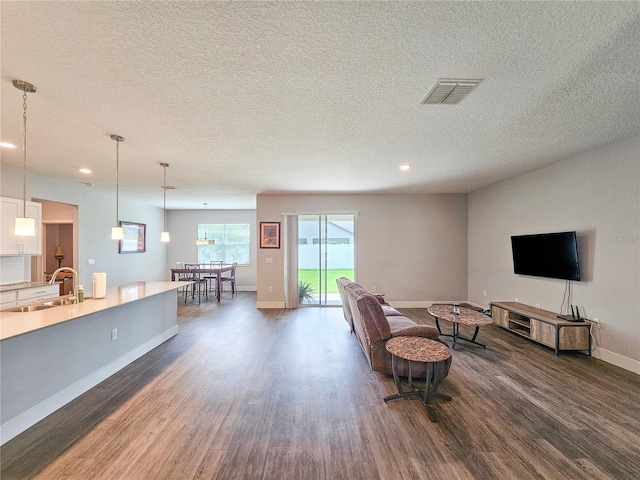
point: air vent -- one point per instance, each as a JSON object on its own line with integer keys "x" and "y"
{"x": 450, "y": 91}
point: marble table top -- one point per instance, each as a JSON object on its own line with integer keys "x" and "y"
{"x": 418, "y": 349}
{"x": 465, "y": 317}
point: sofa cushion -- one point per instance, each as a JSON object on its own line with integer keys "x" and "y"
{"x": 373, "y": 318}
{"x": 390, "y": 311}
{"x": 403, "y": 326}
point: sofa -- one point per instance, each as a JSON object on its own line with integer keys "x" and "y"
{"x": 374, "y": 323}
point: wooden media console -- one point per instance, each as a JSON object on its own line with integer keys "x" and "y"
{"x": 542, "y": 326}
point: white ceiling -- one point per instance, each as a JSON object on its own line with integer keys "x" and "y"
{"x": 244, "y": 98}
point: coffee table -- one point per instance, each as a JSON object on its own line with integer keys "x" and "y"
{"x": 465, "y": 317}
{"x": 419, "y": 349}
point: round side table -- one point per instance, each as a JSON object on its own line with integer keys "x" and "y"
{"x": 419, "y": 349}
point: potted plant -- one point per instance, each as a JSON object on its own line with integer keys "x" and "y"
{"x": 305, "y": 292}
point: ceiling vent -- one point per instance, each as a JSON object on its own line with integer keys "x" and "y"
{"x": 450, "y": 91}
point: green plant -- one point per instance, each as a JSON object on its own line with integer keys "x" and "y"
{"x": 305, "y": 292}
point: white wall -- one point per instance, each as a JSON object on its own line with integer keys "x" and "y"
{"x": 411, "y": 247}
{"x": 96, "y": 216}
{"x": 598, "y": 195}
{"x": 183, "y": 227}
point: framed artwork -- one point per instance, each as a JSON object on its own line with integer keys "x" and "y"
{"x": 135, "y": 237}
{"x": 269, "y": 234}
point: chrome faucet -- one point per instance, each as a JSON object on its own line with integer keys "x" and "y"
{"x": 75, "y": 278}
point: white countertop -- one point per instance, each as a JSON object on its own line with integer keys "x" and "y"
{"x": 20, "y": 285}
{"x": 18, "y": 323}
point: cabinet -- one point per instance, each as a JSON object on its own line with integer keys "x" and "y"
{"x": 10, "y": 244}
{"x": 542, "y": 326}
{"x": 36, "y": 294}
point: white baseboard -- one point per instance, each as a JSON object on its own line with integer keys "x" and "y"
{"x": 22, "y": 422}
{"x": 270, "y": 305}
{"x": 616, "y": 359}
{"x": 425, "y": 303}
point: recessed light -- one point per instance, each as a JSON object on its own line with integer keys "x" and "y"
{"x": 84, "y": 170}
{"x": 7, "y": 145}
{"x": 405, "y": 166}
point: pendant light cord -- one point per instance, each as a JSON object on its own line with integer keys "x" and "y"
{"x": 164, "y": 197}
{"x": 24, "y": 153}
{"x": 117, "y": 182}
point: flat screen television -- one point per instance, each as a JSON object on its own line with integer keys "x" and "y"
{"x": 551, "y": 255}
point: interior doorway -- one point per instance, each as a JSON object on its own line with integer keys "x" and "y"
{"x": 326, "y": 251}
{"x": 59, "y": 239}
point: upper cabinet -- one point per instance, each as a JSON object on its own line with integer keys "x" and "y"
{"x": 10, "y": 244}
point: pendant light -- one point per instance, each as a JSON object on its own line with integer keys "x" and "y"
{"x": 164, "y": 235}
{"x": 116, "y": 232}
{"x": 25, "y": 227}
{"x": 205, "y": 240}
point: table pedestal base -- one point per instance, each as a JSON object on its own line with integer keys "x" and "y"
{"x": 430, "y": 391}
{"x": 456, "y": 335}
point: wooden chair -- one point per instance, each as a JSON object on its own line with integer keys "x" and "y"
{"x": 182, "y": 277}
{"x": 211, "y": 276}
{"x": 199, "y": 284}
{"x": 231, "y": 278}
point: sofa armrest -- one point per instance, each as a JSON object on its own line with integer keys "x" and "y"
{"x": 402, "y": 326}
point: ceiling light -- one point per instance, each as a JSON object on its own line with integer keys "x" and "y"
{"x": 450, "y": 91}
{"x": 7, "y": 145}
{"x": 84, "y": 170}
{"x": 116, "y": 232}
{"x": 405, "y": 166}
{"x": 205, "y": 240}
{"x": 25, "y": 227}
{"x": 164, "y": 235}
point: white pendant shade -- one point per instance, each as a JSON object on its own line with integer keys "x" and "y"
{"x": 164, "y": 237}
{"x": 25, "y": 227}
{"x": 117, "y": 233}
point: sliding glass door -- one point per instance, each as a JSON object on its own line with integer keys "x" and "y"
{"x": 326, "y": 251}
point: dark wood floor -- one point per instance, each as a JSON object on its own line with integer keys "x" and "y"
{"x": 246, "y": 394}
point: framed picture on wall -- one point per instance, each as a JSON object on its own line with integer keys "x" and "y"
{"x": 269, "y": 234}
{"x": 135, "y": 237}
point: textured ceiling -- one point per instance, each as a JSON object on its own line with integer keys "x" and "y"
{"x": 242, "y": 98}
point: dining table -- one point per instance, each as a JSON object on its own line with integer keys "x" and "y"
{"x": 205, "y": 269}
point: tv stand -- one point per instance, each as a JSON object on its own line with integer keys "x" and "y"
{"x": 542, "y": 326}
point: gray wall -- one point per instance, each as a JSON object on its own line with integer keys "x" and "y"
{"x": 598, "y": 195}
{"x": 412, "y": 247}
{"x": 183, "y": 227}
{"x": 96, "y": 211}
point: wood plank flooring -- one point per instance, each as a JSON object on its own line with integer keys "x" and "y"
{"x": 242, "y": 393}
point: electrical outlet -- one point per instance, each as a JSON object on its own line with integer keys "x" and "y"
{"x": 373, "y": 289}
{"x": 484, "y": 293}
{"x": 114, "y": 334}
{"x": 596, "y": 323}
{"x": 271, "y": 289}
{"x": 516, "y": 299}
{"x": 537, "y": 305}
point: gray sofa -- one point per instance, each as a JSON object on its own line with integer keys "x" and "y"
{"x": 373, "y": 324}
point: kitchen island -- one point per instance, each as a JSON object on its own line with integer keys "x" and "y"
{"x": 49, "y": 357}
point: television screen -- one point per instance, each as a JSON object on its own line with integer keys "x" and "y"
{"x": 552, "y": 255}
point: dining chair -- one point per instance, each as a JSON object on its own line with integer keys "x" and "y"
{"x": 211, "y": 276}
{"x": 199, "y": 284}
{"x": 231, "y": 279}
{"x": 182, "y": 277}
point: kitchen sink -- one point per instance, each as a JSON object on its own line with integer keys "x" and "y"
{"x": 60, "y": 301}
{"x": 29, "y": 308}
{"x": 54, "y": 302}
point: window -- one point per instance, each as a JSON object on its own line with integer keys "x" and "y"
{"x": 232, "y": 243}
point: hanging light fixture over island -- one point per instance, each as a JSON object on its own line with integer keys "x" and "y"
{"x": 116, "y": 232}
{"x": 24, "y": 226}
{"x": 164, "y": 235}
